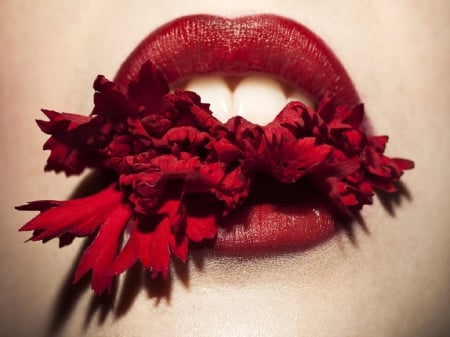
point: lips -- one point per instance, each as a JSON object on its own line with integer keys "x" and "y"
{"x": 276, "y": 217}
{"x": 204, "y": 44}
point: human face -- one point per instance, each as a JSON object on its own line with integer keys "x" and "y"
{"x": 389, "y": 278}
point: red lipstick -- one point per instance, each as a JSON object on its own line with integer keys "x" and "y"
{"x": 277, "y": 218}
{"x": 203, "y": 44}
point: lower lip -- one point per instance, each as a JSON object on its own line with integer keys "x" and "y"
{"x": 203, "y": 44}
{"x": 273, "y": 228}
{"x": 279, "y": 222}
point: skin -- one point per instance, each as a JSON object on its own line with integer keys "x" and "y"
{"x": 390, "y": 277}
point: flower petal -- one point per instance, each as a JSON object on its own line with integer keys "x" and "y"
{"x": 149, "y": 242}
{"x": 79, "y": 217}
{"x": 100, "y": 254}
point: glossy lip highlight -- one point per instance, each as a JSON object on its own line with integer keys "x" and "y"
{"x": 278, "y": 221}
{"x": 204, "y": 44}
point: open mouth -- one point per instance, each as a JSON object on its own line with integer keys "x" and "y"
{"x": 276, "y": 216}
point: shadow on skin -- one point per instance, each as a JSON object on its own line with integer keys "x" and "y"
{"x": 123, "y": 295}
{"x": 348, "y": 227}
{"x": 391, "y": 201}
{"x": 68, "y": 297}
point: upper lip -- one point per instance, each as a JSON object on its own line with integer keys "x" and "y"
{"x": 202, "y": 44}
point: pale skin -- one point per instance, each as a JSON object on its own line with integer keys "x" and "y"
{"x": 391, "y": 279}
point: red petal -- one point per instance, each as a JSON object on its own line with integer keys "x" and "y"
{"x": 179, "y": 247}
{"x": 110, "y": 102}
{"x": 73, "y": 139}
{"x": 149, "y": 89}
{"x": 404, "y": 164}
{"x": 100, "y": 254}
{"x": 149, "y": 243}
{"x": 79, "y": 217}
{"x": 203, "y": 227}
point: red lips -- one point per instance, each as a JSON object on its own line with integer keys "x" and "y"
{"x": 276, "y": 218}
{"x": 204, "y": 44}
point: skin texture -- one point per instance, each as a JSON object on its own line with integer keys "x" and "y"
{"x": 389, "y": 277}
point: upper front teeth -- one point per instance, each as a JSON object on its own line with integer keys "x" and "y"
{"x": 215, "y": 91}
{"x": 257, "y": 98}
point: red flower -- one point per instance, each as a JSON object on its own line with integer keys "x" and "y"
{"x": 172, "y": 158}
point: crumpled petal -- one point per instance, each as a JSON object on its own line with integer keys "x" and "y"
{"x": 68, "y": 133}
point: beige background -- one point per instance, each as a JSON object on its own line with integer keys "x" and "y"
{"x": 393, "y": 280}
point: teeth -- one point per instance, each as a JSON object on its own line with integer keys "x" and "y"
{"x": 295, "y": 95}
{"x": 259, "y": 99}
{"x": 214, "y": 90}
